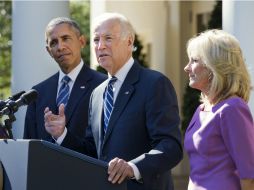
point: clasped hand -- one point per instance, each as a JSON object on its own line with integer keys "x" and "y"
{"x": 118, "y": 170}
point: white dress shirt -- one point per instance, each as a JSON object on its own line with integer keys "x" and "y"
{"x": 73, "y": 75}
{"x": 121, "y": 75}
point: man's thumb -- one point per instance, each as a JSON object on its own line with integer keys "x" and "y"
{"x": 61, "y": 110}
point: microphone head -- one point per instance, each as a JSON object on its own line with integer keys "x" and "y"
{"x": 29, "y": 96}
{"x": 16, "y": 96}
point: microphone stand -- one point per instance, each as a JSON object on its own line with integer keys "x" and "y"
{"x": 6, "y": 129}
{"x": 8, "y": 125}
{"x": 3, "y": 132}
{"x": 10, "y": 108}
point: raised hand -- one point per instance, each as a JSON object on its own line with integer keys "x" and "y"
{"x": 54, "y": 124}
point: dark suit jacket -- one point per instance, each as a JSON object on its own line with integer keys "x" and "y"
{"x": 76, "y": 110}
{"x": 143, "y": 128}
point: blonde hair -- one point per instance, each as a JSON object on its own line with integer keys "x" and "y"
{"x": 220, "y": 52}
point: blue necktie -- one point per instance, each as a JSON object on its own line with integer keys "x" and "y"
{"x": 64, "y": 91}
{"x": 108, "y": 102}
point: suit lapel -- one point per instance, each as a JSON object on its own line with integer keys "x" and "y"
{"x": 124, "y": 95}
{"x": 98, "y": 115}
{"x": 80, "y": 87}
{"x": 50, "y": 95}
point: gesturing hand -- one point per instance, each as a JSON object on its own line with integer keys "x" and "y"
{"x": 118, "y": 170}
{"x": 54, "y": 124}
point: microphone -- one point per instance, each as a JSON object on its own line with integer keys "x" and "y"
{"x": 25, "y": 99}
{"x": 11, "y": 98}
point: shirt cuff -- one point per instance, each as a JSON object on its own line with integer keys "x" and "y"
{"x": 137, "y": 174}
{"x": 60, "y": 139}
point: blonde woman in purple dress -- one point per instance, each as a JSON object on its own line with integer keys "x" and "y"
{"x": 220, "y": 137}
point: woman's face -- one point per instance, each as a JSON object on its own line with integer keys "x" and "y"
{"x": 198, "y": 74}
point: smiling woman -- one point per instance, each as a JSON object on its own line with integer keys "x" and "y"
{"x": 219, "y": 138}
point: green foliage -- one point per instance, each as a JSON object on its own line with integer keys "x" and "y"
{"x": 216, "y": 17}
{"x": 80, "y": 12}
{"x": 5, "y": 48}
{"x": 101, "y": 69}
{"x": 138, "y": 54}
{"x": 192, "y": 96}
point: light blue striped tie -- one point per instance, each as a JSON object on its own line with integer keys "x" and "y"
{"x": 108, "y": 102}
{"x": 64, "y": 91}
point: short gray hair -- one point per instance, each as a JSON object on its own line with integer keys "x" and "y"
{"x": 126, "y": 27}
{"x": 62, "y": 20}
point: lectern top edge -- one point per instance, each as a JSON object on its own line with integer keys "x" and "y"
{"x": 60, "y": 149}
{"x": 75, "y": 154}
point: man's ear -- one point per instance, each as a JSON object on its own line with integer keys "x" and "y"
{"x": 82, "y": 40}
{"x": 130, "y": 40}
{"x": 48, "y": 50}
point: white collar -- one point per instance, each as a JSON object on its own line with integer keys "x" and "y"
{"x": 123, "y": 71}
{"x": 73, "y": 74}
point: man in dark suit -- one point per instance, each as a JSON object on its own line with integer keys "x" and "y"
{"x": 64, "y": 43}
{"x": 133, "y": 116}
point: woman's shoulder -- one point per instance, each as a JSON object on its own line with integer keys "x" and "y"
{"x": 231, "y": 102}
{"x": 232, "y": 105}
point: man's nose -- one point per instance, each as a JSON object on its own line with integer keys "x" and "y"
{"x": 101, "y": 44}
{"x": 60, "y": 45}
{"x": 186, "y": 68}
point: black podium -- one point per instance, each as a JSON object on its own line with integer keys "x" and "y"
{"x": 40, "y": 165}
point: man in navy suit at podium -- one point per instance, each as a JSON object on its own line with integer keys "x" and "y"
{"x": 133, "y": 116}
{"x": 64, "y": 42}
